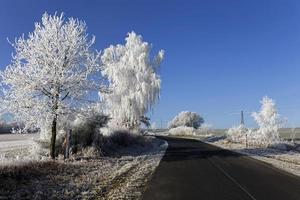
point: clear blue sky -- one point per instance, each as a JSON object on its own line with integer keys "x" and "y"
{"x": 221, "y": 56}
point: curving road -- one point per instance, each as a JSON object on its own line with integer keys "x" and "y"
{"x": 191, "y": 169}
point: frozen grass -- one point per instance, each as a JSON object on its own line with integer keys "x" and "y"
{"x": 86, "y": 175}
{"x": 188, "y": 131}
{"x": 182, "y": 131}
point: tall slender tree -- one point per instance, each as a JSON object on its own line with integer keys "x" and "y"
{"x": 50, "y": 73}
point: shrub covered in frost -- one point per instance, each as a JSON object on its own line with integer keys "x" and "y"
{"x": 268, "y": 124}
{"x": 84, "y": 130}
{"x": 182, "y": 131}
{"x": 205, "y": 129}
{"x": 188, "y": 119}
{"x": 237, "y": 133}
{"x": 268, "y": 121}
{"x": 118, "y": 140}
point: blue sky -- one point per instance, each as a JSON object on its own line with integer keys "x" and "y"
{"x": 221, "y": 56}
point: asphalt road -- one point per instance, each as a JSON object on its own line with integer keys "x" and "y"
{"x": 191, "y": 169}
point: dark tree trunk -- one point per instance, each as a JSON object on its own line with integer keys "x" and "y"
{"x": 53, "y": 137}
{"x": 54, "y": 126}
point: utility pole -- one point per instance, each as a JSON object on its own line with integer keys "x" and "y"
{"x": 243, "y": 124}
{"x": 242, "y": 118}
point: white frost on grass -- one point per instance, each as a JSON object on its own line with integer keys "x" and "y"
{"x": 137, "y": 173}
{"x": 189, "y": 131}
{"x": 17, "y": 148}
{"x": 123, "y": 176}
{"x": 182, "y": 131}
{"x": 286, "y": 160}
{"x": 12, "y": 145}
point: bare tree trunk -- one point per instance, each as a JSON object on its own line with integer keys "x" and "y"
{"x": 53, "y": 137}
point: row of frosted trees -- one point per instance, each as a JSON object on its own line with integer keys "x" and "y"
{"x": 56, "y": 76}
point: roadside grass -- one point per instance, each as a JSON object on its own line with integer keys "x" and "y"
{"x": 120, "y": 172}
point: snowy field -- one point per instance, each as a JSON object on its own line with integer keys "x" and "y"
{"x": 285, "y": 133}
{"x": 85, "y": 176}
{"x": 10, "y": 142}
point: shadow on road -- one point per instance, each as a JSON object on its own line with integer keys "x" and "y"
{"x": 194, "y": 150}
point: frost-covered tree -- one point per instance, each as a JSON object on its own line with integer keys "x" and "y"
{"x": 268, "y": 120}
{"x": 133, "y": 79}
{"x": 50, "y": 73}
{"x": 186, "y": 118}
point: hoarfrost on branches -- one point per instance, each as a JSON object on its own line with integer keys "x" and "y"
{"x": 268, "y": 121}
{"x": 50, "y": 73}
{"x": 133, "y": 79}
{"x": 182, "y": 131}
{"x": 186, "y": 118}
{"x": 237, "y": 133}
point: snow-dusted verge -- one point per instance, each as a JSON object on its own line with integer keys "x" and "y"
{"x": 276, "y": 156}
{"x": 122, "y": 176}
{"x": 182, "y": 131}
{"x": 188, "y": 131}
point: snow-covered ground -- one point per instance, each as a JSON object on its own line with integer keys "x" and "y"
{"x": 285, "y": 160}
{"x": 9, "y": 142}
{"x": 86, "y": 176}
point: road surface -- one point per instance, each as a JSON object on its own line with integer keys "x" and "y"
{"x": 191, "y": 169}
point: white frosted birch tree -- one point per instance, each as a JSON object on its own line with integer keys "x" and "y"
{"x": 49, "y": 75}
{"x": 133, "y": 80}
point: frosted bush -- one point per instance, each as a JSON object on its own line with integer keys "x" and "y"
{"x": 85, "y": 130}
{"x": 188, "y": 119}
{"x": 268, "y": 122}
{"x": 237, "y": 133}
{"x": 205, "y": 129}
{"x": 182, "y": 131}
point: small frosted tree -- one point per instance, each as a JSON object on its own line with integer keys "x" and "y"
{"x": 133, "y": 80}
{"x": 49, "y": 76}
{"x": 268, "y": 121}
{"x": 186, "y": 118}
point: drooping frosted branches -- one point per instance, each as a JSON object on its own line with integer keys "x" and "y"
{"x": 49, "y": 73}
{"x": 133, "y": 79}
